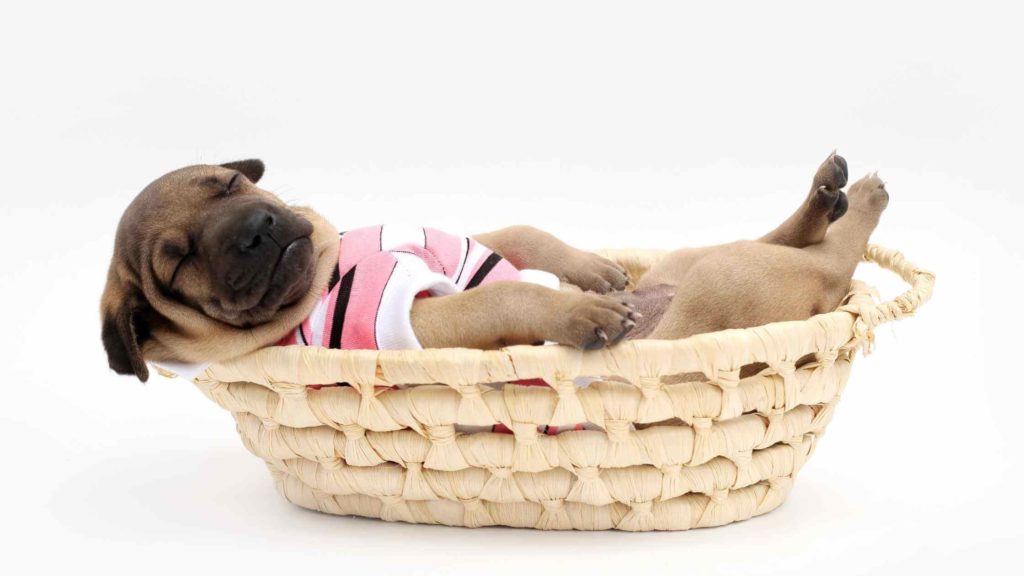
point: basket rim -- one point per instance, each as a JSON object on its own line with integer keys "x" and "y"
{"x": 850, "y": 326}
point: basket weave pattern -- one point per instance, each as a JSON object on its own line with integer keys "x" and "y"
{"x": 684, "y": 442}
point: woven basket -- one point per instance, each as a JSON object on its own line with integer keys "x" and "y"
{"x": 684, "y": 441}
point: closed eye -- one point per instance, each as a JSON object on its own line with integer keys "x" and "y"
{"x": 181, "y": 264}
{"x": 236, "y": 179}
{"x": 222, "y": 188}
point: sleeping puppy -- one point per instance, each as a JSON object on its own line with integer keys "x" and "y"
{"x": 207, "y": 266}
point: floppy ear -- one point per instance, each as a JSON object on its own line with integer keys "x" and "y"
{"x": 124, "y": 331}
{"x": 252, "y": 168}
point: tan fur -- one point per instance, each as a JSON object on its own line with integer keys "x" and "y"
{"x": 793, "y": 272}
{"x": 506, "y": 313}
{"x": 749, "y": 283}
{"x": 528, "y": 247}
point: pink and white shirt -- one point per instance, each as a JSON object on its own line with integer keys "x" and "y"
{"x": 381, "y": 270}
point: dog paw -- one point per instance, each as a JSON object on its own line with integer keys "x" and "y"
{"x": 869, "y": 192}
{"x": 828, "y": 196}
{"x": 593, "y": 273}
{"x": 593, "y": 321}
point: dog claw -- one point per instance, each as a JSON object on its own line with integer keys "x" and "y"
{"x": 597, "y": 322}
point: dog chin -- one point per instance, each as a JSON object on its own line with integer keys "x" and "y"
{"x": 288, "y": 284}
{"x": 294, "y": 274}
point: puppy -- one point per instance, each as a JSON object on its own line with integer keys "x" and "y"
{"x": 207, "y": 266}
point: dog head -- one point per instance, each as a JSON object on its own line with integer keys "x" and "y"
{"x": 207, "y": 265}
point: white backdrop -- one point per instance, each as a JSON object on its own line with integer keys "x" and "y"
{"x": 611, "y": 125}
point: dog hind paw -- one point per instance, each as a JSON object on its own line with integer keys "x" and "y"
{"x": 870, "y": 191}
{"x": 828, "y": 182}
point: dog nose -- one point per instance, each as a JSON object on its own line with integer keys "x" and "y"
{"x": 254, "y": 230}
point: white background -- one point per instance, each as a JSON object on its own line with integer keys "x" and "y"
{"x": 611, "y": 125}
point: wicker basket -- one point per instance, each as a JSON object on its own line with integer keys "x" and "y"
{"x": 684, "y": 441}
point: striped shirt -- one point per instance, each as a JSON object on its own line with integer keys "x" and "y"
{"x": 381, "y": 270}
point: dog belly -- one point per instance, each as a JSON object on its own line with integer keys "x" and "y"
{"x": 651, "y": 302}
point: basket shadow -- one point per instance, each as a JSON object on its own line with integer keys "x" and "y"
{"x": 223, "y": 492}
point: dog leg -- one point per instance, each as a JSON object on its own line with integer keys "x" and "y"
{"x": 748, "y": 284}
{"x": 508, "y": 313}
{"x": 528, "y": 247}
{"x": 825, "y": 204}
{"x": 848, "y": 238}
{"x": 743, "y": 284}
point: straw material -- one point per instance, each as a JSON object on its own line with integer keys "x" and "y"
{"x": 683, "y": 440}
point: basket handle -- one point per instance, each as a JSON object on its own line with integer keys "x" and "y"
{"x": 921, "y": 284}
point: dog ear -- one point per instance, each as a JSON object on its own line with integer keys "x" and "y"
{"x": 252, "y": 168}
{"x": 124, "y": 331}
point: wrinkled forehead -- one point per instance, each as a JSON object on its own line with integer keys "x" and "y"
{"x": 192, "y": 185}
{"x": 186, "y": 185}
{"x": 169, "y": 201}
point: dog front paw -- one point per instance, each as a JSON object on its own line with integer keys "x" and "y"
{"x": 593, "y": 321}
{"x": 594, "y": 273}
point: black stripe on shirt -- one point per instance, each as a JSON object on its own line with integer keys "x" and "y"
{"x": 344, "y": 291}
{"x": 465, "y": 258}
{"x": 484, "y": 270}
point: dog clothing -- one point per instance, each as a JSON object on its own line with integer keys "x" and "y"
{"x": 381, "y": 269}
